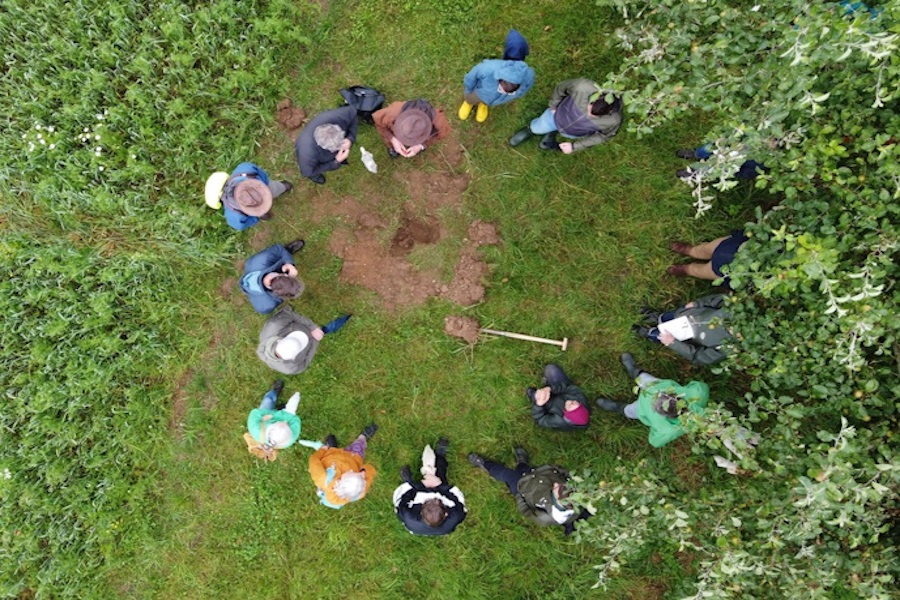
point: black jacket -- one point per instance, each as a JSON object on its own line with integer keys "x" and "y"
{"x": 408, "y": 501}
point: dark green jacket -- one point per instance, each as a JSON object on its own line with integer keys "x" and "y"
{"x": 707, "y": 319}
{"x": 551, "y": 414}
{"x": 535, "y": 494}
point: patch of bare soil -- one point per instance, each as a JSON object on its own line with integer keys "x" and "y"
{"x": 466, "y": 289}
{"x": 289, "y": 117}
{"x": 434, "y": 191}
{"x": 483, "y": 234}
{"x": 462, "y": 327}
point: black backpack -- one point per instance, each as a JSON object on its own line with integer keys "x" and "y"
{"x": 364, "y": 99}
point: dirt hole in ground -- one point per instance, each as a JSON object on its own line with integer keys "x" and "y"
{"x": 414, "y": 231}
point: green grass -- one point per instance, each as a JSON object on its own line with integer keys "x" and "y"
{"x": 584, "y": 245}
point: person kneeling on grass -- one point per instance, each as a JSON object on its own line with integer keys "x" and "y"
{"x": 540, "y": 492}
{"x": 432, "y": 506}
{"x": 407, "y": 128}
{"x": 270, "y": 429}
{"x": 661, "y": 403}
{"x": 580, "y": 110}
{"x": 270, "y": 277}
{"x": 339, "y": 474}
{"x": 559, "y": 404}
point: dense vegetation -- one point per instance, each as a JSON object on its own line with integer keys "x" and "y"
{"x": 115, "y": 112}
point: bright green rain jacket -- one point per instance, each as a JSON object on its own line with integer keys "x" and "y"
{"x": 663, "y": 429}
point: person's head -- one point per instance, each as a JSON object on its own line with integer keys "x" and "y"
{"x": 508, "y": 87}
{"x": 434, "y": 513}
{"x": 350, "y": 485}
{"x": 329, "y": 137}
{"x": 599, "y": 106}
{"x": 576, "y": 413}
{"x": 288, "y": 347}
{"x": 253, "y": 197}
{"x": 561, "y": 492}
{"x": 413, "y": 126}
{"x": 286, "y": 287}
{"x": 278, "y": 434}
{"x": 667, "y": 405}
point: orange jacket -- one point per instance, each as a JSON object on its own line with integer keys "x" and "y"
{"x": 338, "y": 461}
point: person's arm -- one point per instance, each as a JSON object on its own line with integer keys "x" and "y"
{"x": 698, "y": 355}
{"x": 609, "y": 125}
{"x": 250, "y": 168}
{"x": 317, "y": 468}
{"x": 562, "y": 90}
{"x": 527, "y": 83}
{"x": 662, "y": 435}
{"x": 712, "y": 301}
{"x": 267, "y": 259}
{"x": 349, "y": 122}
{"x": 238, "y": 220}
{"x": 472, "y": 77}
{"x": 369, "y": 472}
{"x": 541, "y": 517}
{"x": 441, "y": 125}
{"x": 545, "y": 417}
{"x": 384, "y": 121}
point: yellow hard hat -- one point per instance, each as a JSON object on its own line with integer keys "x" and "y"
{"x": 214, "y": 186}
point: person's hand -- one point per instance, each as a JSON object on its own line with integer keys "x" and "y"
{"x": 318, "y": 334}
{"x": 666, "y": 338}
{"x": 342, "y": 154}
{"x": 431, "y": 481}
{"x": 289, "y": 270}
{"x": 542, "y": 396}
{"x": 567, "y": 148}
{"x": 690, "y": 305}
{"x": 399, "y": 148}
{"x": 415, "y": 150}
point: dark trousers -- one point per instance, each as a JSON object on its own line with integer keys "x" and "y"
{"x": 440, "y": 467}
{"x": 554, "y": 375}
{"x": 506, "y": 475}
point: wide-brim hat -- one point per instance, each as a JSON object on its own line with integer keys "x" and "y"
{"x": 253, "y": 197}
{"x": 215, "y": 183}
{"x": 412, "y": 127}
{"x": 288, "y": 347}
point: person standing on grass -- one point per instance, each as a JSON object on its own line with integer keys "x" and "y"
{"x": 559, "y": 404}
{"x": 716, "y": 254}
{"x": 272, "y": 429}
{"x": 432, "y": 506}
{"x": 339, "y": 473}
{"x": 540, "y": 492}
{"x": 246, "y": 195}
{"x": 581, "y": 111}
{"x": 661, "y": 403}
{"x": 493, "y": 82}
{"x": 324, "y": 144}
{"x": 407, "y": 128}
{"x": 700, "y": 326}
{"x": 270, "y": 277}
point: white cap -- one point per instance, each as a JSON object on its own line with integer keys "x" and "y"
{"x": 350, "y": 485}
{"x": 279, "y": 434}
{"x": 214, "y": 186}
{"x": 288, "y": 347}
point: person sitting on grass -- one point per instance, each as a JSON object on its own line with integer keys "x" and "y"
{"x": 559, "y": 404}
{"x": 324, "y": 144}
{"x": 661, "y": 403}
{"x": 272, "y": 429}
{"x": 581, "y": 111}
{"x": 339, "y": 473}
{"x": 700, "y": 326}
{"x": 540, "y": 492}
{"x": 715, "y": 254}
{"x": 407, "y": 128}
{"x": 493, "y": 82}
{"x": 270, "y": 277}
{"x": 432, "y": 506}
{"x": 246, "y": 195}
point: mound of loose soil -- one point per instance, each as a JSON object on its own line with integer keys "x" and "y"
{"x": 461, "y": 327}
{"x": 288, "y": 116}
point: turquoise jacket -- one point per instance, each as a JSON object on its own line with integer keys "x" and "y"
{"x": 257, "y": 430}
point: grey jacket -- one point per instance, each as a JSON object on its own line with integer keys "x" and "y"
{"x": 708, "y": 321}
{"x": 278, "y": 326}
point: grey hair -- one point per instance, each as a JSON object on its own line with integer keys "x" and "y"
{"x": 329, "y": 137}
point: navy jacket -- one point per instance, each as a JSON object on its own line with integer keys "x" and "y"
{"x": 408, "y": 501}
{"x": 312, "y": 158}
{"x": 270, "y": 260}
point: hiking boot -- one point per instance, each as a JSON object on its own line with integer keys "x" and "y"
{"x": 477, "y": 461}
{"x": 481, "y": 114}
{"x": 295, "y": 246}
{"x": 521, "y": 456}
{"x": 548, "y": 142}
{"x": 607, "y": 404}
{"x": 277, "y": 386}
{"x": 393, "y": 153}
{"x": 320, "y": 179}
{"x": 370, "y": 430}
{"x": 288, "y": 186}
{"x": 331, "y": 441}
{"x": 520, "y": 136}
{"x": 687, "y": 154}
{"x": 266, "y": 216}
{"x": 677, "y": 270}
{"x": 442, "y": 446}
{"x": 529, "y": 393}
{"x": 640, "y": 331}
{"x": 630, "y": 367}
{"x": 681, "y": 248}
{"x": 684, "y": 173}
{"x": 406, "y": 474}
{"x": 650, "y": 314}
{"x": 465, "y": 109}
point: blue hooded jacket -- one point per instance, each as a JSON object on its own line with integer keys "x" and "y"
{"x": 484, "y": 80}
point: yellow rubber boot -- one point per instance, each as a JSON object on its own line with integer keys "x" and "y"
{"x": 481, "y": 114}
{"x": 465, "y": 109}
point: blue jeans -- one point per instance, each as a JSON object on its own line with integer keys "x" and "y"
{"x": 268, "y": 401}
{"x": 554, "y": 375}
{"x": 546, "y": 123}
